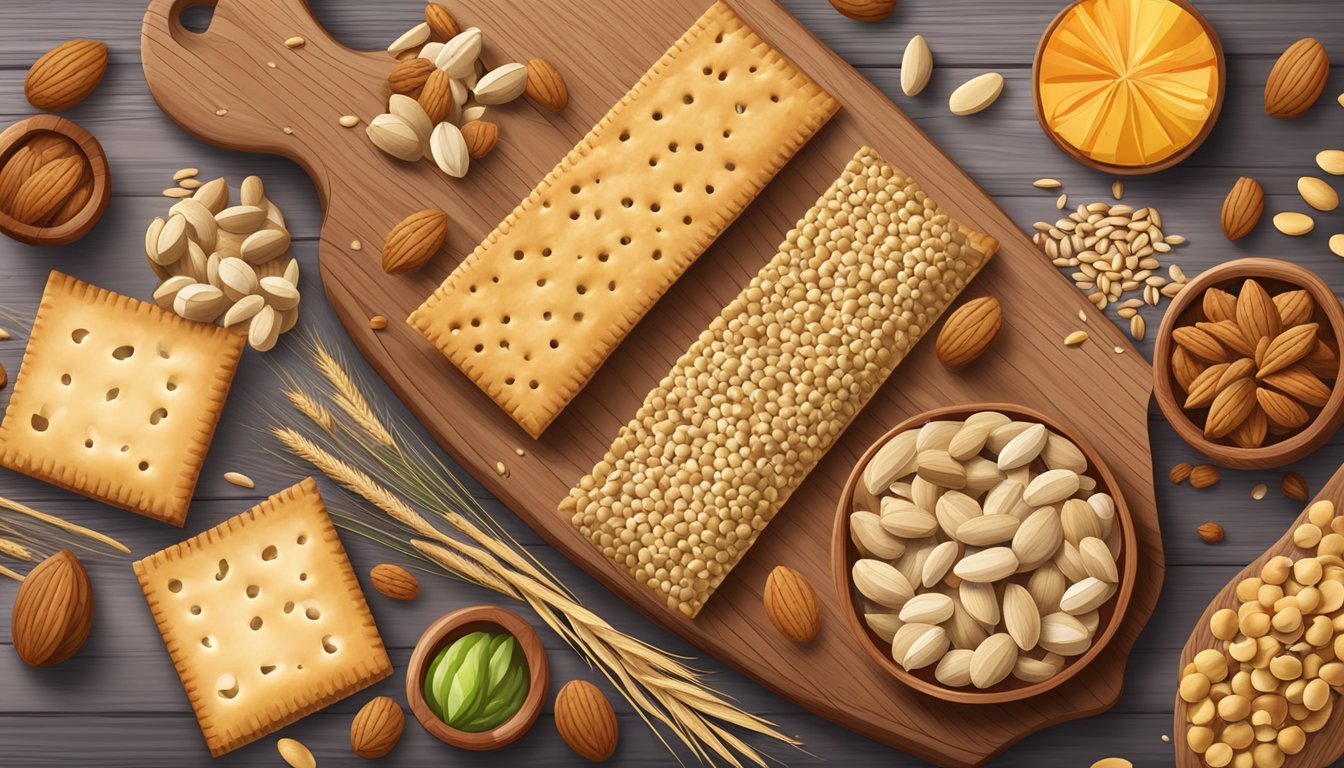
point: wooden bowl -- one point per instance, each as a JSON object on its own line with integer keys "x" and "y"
{"x": 1277, "y": 275}
{"x": 79, "y": 225}
{"x": 844, "y": 553}
{"x": 448, "y": 628}
{"x": 1131, "y": 170}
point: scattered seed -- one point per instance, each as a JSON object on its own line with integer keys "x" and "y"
{"x": 355, "y": 245}
{"x": 1166, "y": 738}
{"x": 1258, "y": 491}
{"x": 4, "y": 335}
{"x": 1180, "y": 472}
{"x": 221, "y": 112}
{"x": 501, "y": 469}
{"x": 1082, "y": 316}
{"x": 288, "y": 131}
{"x": 1118, "y": 189}
{"x": 295, "y": 42}
{"x": 189, "y": 183}
{"x": 348, "y": 121}
{"x": 239, "y": 479}
{"x": 1203, "y": 476}
{"x": 1337, "y": 245}
{"x": 1047, "y": 184}
{"x": 520, "y": 451}
{"x": 185, "y": 173}
{"x": 177, "y": 192}
{"x": 1062, "y": 201}
{"x": 1137, "y": 327}
{"x": 1119, "y": 350}
{"x": 378, "y": 322}
{"x": 1075, "y": 338}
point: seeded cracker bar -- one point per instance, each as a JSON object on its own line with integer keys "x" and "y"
{"x": 747, "y": 412}
{"x": 535, "y": 310}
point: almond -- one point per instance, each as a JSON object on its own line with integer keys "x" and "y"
{"x": 1294, "y": 487}
{"x": 546, "y": 86}
{"x": 1239, "y": 369}
{"x": 22, "y": 164}
{"x": 377, "y": 727}
{"x": 394, "y": 581}
{"x": 1203, "y": 476}
{"x": 1323, "y": 361}
{"x": 1301, "y": 384}
{"x": 501, "y": 85}
{"x": 917, "y": 67}
{"x": 1180, "y": 472}
{"x": 442, "y": 26}
{"x": 1317, "y": 193}
{"x": 968, "y": 332}
{"x": 1229, "y": 334}
{"x": 865, "y": 10}
{"x": 410, "y": 74}
{"x": 1200, "y": 344}
{"x": 66, "y": 74}
{"x": 1287, "y": 348}
{"x": 1230, "y": 408}
{"x": 481, "y": 136}
{"x": 1295, "y": 307}
{"x": 1297, "y": 79}
{"x": 1251, "y": 433}
{"x": 436, "y": 97}
{"x": 585, "y": 720}
{"x": 53, "y": 611}
{"x": 1256, "y": 313}
{"x": 1281, "y": 409}
{"x": 41, "y": 194}
{"x": 1186, "y": 367}
{"x": 414, "y": 240}
{"x": 1219, "y": 305}
{"x": 993, "y": 660}
{"x": 791, "y": 604}
{"x": 1211, "y": 532}
{"x": 73, "y": 205}
{"x": 1242, "y": 208}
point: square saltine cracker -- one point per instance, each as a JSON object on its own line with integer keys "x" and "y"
{"x": 264, "y": 618}
{"x": 117, "y": 399}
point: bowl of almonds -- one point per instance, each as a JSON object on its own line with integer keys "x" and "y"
{"x": 54, "y": 181}
{"x": 1246, "y": 363}
{"x": 985, "y": 552}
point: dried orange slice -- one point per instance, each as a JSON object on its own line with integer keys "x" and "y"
{"x": 1129, "y": 85}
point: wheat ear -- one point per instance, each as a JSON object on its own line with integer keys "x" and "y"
{"x": 80, "y": 530}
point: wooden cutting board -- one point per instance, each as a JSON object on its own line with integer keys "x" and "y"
{"x": 1323, "y": 747}
{"x": 1101, "y": 393}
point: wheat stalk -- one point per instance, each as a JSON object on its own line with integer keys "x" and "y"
{"x": 657, "y": 685}
{"x": 64, "y": 525}
{"x": 15, "y": 550}
{"x": 11, "y": 574}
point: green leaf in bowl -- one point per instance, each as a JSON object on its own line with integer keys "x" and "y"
{"x": 501, "y": 657}
{"x": 437, "y": 683}
{"x": 467, "y": 688}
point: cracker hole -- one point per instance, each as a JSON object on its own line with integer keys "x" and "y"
{"x": 123, "y": 352}
{"x": 208, "y": 641}
{"x": 299, "y": 667}
{"x": 597, "y": 215}
{"x": 313, "y": 614}
{"x": 555, "y": 343}
{"x": 270, "y": 553}
{"x": 708, "y": 71}
{"x": 162, "y": 349}
{"x": 611, "y": 286}
{"x": 625, "y": 239}
{"x": 727, "y": 134}
{"x": 687, "y": 98}
{"x": 657, "y": 255}
{"x": 653, "y": 162}
{"x": 289, "y": 606}
{"x": 480, "y": 348}
{"x": 774, "y": 98}
{"x": 125, "y": 449}
{"x": 578, "y": 317}
{"x": 686, "y": 220}
{"x": 253, "y": 591}
{"x": 545, "y": 253}
{"x": 625, "y": 135}
{"x": 302, "y": 539}
{"x": 267, "y": 669}
{"x": 171, "y": 385}
{"x": 65, "y": 379}
{"x": 475, "y": 322}
{"x": 226, "y": 686}
{"x": 541, "y": 282}
{"x": 673, "y": 147}
{"x": 699, "y": 147}
{"x": 79, "y": 335}
{"x": 255, "y": 623}
{"x": 158, "y": 415}
{"x": 533, "y": 384}
{"x": 40, "y": 422}
{"x": 303, "y": 577}
{"x": 677, "y": 187}
{"x": 574, "y": 215}
{"x": 223, "y": 570}
{"x": 627, "y": 202}
{"x": 509, "y": 381}
{"x": 546, "y": 316}
{"x": 709, "y": 189}
{"x": 328, "y": 644}
{"x": 495, "y": 279}
{"x": 657, "y": 116}
{"x": 731, "y": 167}
{"x": 88, "y": 442}
{"x": 723, "y": 76}
{"x": 718, "y": 38}
{"x": 195, "y": 610}
{"x": 473, "y": 289}
{"x": 517, "y": 255}
{"x": 603, "y": 257}
{"x": 112, "y": 393}
{"x": 656, "y": 207}
{"x": 752, "y": 69}
{"x": 143, "y": 466}
{"x": 582, "y": 289}
{"x": 174, "y": 585}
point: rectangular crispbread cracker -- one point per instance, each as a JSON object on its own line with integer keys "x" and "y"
{"x": 760, "y": 397}
{"x": 117, "y": 399}
{"x": 264, "y": 618}
{"x": 535, "y": 310}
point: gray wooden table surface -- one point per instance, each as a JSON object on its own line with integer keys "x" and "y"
{"x": 119, "y": 702}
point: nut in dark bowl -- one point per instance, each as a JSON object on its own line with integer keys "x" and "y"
{"x": 54, "y": 181}
{"x": 1247, "y": 363}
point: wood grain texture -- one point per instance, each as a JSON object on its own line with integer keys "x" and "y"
{"x": 120, "y": 696}
{"x": 365, "y": 193}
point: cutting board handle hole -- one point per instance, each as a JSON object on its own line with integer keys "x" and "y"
{"x": 196, "y": 17}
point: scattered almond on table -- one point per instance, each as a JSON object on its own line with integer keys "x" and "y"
{"x": 1242, "y": 208}
{"x": 791, "y": 604}
{"x": 377, "y": 728}
{"x": 66, "y": 75}
{"x": 239, "y": 479}
{"x": 1211, "y": 532}
{"x": 1297, "y": 79}
{"x": 976, "y": 95}
{"x": 1180, "y": 472}
{"x": 865, "y": 10}
{"x": 414, "y": 240}
{"x": 295, "y": 753}
{"x": 1294, "y": 486}
{"x": 394, "y": 582}
{"x": 968, "y": 332}
{"x": 53, "y": 611}
{"x": 916, "y": 66}
{"x": 1204, "y": 476}
{"x": 585, "y": 720}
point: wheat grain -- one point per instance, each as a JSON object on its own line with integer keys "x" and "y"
{"x": 11, "y": 574}
{"x": 315, "y": 411}
{"x": 349, "y": 398}
{"x": 15, "y": 550}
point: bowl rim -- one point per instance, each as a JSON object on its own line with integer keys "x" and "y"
{"x": 83, "y": 221}
{"x": 1131, "y": 170}
{"x": 1310, "y": 437}
{"x": 453, "y": 625}
{"x": 843, "y": 554}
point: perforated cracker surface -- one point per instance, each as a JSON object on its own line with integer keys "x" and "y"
{"x": 533, "y": 312}
{"x": 746, "y": 413}
{"x": 264, "y": 618}
{"x": 117, "y": 399}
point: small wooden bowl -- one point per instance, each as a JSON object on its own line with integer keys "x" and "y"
{"x": 1131, "y": 170}
{"x": 448, "y": 628}
{"x": 79, "y": 225}
{"x": 844, "y": 554}
{"x": 1277, "y": 275}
